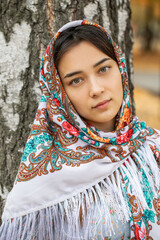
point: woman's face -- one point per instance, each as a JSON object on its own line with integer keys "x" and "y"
{"x": 92, "y": 81}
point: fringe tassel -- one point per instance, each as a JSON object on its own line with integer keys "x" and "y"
{"x": 81, "y": 216}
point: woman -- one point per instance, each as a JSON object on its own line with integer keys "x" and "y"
{"x": 90, "y": 168}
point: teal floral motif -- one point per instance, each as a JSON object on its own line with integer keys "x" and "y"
{"x": 39, "y": 152}
{"x": 125, "y": 93}
{"x": 32, "y": 144}
{"x": 148, "y": 193}
{"x": 113, "y": 141}
{"x": 143, "y": 125}
{"x": 148, "y": 197}
{"x": 43, "y": 99}
{"x": 149, "y": 215}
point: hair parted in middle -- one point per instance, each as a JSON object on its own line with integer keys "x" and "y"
{"x": 74, "y": 35}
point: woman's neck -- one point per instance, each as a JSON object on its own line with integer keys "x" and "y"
{"x": 105, "y": 127}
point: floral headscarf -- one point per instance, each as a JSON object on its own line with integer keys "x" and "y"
{"x": 68, "y": 167}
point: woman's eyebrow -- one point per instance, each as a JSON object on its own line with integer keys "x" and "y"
{"x": 101, "y": 61}
{"x": 77, "y": 72}
{"x": 72, "y": 74}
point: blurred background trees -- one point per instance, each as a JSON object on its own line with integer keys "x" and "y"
{"x": 146, "y": 52}
{"x": 146, "y": 23}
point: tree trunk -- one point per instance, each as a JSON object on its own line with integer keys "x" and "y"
{"x": 26, "y": 26}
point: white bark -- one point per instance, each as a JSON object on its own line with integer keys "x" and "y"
{"x": 13, "y": 61}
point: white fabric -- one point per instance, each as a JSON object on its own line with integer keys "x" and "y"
{"x": 58, "y": 187}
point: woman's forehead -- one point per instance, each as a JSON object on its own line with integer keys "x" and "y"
{"x": 83, "y": 54}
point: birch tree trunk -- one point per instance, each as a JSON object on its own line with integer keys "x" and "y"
{"x": 26, "y": 26}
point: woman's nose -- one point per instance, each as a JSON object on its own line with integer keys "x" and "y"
{"x": 96, "y": 88}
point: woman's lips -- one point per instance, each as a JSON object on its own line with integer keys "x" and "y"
{"x": 102, "y": 104}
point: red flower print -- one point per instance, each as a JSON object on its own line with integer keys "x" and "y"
{"x": 130, "y": 133}
{"x": 92, "y": 142}
{"x": 140, "y": 232}
{"x": 57, "y": 102}
{"x": 70, "y": 128}
{"x": 85, "y": 22}
{"x": 123, "y": 66}
{"x": 125, "y": 137}
{"x": 47, "y": 51}
{"x": 137, "y": 228}
{"x": 42, "y": 72}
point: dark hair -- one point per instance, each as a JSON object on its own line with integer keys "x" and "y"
{"x": 74, "y": 35}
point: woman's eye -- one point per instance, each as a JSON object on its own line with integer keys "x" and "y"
{"x": 75, "y": 81}
{"x": 103, "y": 69}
